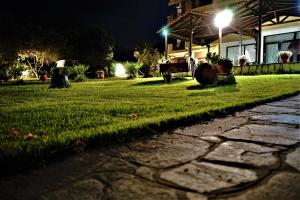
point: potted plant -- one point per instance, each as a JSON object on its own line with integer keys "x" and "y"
{"x": 43, "y": 76}
{"x": 205, "y": 74}
{"x": 167, "y": 77}
{"x": 60, "y": 78}
{"x": 101, "y": 74}
{"x": 243, "y": 59}
{"x": 212, "y": 58}
{"x": 284, "y": 56}
{"x": 224, "y": 65}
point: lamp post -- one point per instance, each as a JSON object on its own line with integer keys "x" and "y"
{"x": 165, "y": 34}
{"x": 222, "y": 20}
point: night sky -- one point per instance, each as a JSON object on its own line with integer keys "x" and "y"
{"x": 128, "y": 22}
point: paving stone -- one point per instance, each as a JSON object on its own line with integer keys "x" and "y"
{"x": 195, "y": 196}
{"x": 168, "y": 150}
{"x": 287, "y": 103}
{"x": 283, "y": 118}
{"x": 90, "y": 189}
{"x": 146, "y": 173}
{"x": 117, "y": 164}
{"x": 214, "y": 127}
{"x": 293, "y": 159}
{"x": 114, "y": 186}
{"x": 212, "y": 139}
{"x": 245, "y": 114}
{"x": 32, "y": 185}
{"x": 284, "y": 185}
{"x": 273, "y": 109}
{"x": 245, "y": 153}
{"x": 264, "y": 133}
{"x": 206, "y": 177}
{"x": 295, "y": 98}
{"x": 125, "y": 186}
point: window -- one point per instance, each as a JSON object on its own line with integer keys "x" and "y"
{"x": 232, "y": 54}
{"x": 282, "y": 42}
{"x": 271, "y": 53}
{"x": 249, "y": 50}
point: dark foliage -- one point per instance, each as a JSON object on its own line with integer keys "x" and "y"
{"x": 59, "y": 78}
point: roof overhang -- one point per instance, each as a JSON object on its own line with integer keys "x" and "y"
{"x": 245, "y": 21}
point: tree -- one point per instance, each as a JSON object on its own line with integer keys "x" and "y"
{"x": 39, "y": 46}
{"x": 149, "y": 58}
{"x": 90, "y": 46}
{"x": 9, "y": 39}
{"x": 37, "y": 59}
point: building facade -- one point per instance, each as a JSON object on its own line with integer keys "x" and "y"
{"x": 280, "y": 30}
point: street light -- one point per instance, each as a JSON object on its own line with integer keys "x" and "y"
{"x": 222, "y": 20}
{"x": 166, "y": 33}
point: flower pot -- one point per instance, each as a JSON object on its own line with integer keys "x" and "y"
{"x": 44, "y": 77}
{"x": 284, "y": 59}
{"x": 205, "y": 74}
{"x": 101, "y": 75}
{"x": 168, "y": 78}
{"x": 223, "y": 68}
{"x": 242, "y": 62}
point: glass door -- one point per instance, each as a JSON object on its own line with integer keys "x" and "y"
{"x": 271, "y": 53}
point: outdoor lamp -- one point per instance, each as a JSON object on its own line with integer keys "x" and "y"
{"x": 166, "y": 33}
{"x": 222, "y": 20}
{"x": 120, "y": 70}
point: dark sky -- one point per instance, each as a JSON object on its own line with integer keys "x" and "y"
{"x": 129, "y": 22}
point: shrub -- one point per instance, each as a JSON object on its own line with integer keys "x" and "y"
{"x": 15, "y": 71}
{"x": 59, "y": 78}
{"x": 149, "y": 58}
{"x": 3, "y": 74}
{"x": 225, "y": 61}
{"x": 212, "y": 58}
{"x": 132, "y": 69}
{"x": 77, "y": 73}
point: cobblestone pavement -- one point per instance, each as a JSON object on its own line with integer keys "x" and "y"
{"x": 253, "y": 154}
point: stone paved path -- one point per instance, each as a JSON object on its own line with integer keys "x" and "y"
{"x": 254, "y": 154}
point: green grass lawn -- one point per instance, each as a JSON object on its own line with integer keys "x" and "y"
{"x": 36, "y": 120}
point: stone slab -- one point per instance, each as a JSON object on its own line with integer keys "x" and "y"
{"x": 244, "y": 153}
{"x": 293, "y": 159}
{"x": 195, "y": 196}
{"x": 287, "y": 103}
{"x": 206, "y": 177}
{"x": 89, "y": 189}
{"x": 114, "y": 186}
{"x": 295, "y": 98}
{"x": 283, "y": 118}
{"x": 282, "y": 186}
{"x": 273, "y": 109}
{"x": 165, "y": 151}
{"x": 62, "y": 175}
{"x": 264, "y": 133}
{"x": 214, "y": 127}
